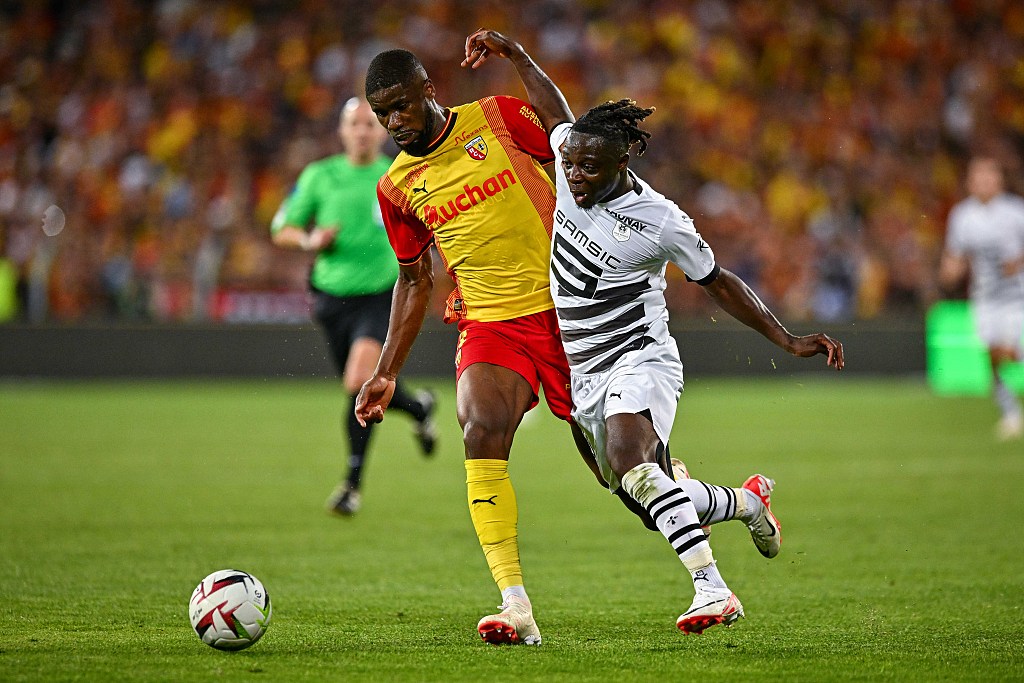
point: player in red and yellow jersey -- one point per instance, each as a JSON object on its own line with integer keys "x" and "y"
{"x": 479, "y": 191}
{"x": 470, "y": 180}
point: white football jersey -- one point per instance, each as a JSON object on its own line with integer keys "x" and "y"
{"x": 608, "y": 268}
{"x": 989, "y": 234}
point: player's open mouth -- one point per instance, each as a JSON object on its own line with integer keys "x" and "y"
{"x": 405, "y": 137}
{"x": 579, "y": 197}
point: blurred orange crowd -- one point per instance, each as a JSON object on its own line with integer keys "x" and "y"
{"x": 819, "y": 145}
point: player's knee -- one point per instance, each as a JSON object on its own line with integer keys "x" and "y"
{"x": 631, "y": 436}
{"x": 485, "y": 439}
{"x": 625, "y": 453}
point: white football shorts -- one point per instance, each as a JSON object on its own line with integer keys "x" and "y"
{"x": 999, "y": 323}
{"x": 650, "y": 378}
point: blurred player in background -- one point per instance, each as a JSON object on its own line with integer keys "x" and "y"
{"x": 470, "y": 179}
{"x": 613, "y": 238}
{"x": 352, "y": 277}
{"x": 986, "y": 236}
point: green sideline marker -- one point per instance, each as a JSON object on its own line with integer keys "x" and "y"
{"x": 957, "y": 361}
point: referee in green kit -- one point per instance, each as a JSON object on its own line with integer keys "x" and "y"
{"x": 352, "y": 276}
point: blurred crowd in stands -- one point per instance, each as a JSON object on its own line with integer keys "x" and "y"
{"x": 818, "y": 144}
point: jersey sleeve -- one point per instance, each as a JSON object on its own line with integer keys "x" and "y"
{"x": 280, "y": 216}
{"x": 408, "y": 235}
{"x": 526, "y": 129}
{"x": 685, "y": 247}
{"x": 300, "y": 207}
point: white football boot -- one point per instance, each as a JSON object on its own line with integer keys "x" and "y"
{"x": 710, "y": 607}
{"x": 1010, "y": 427}
{"x": 513, "y": 625}
{"x": 765, "y": 530}
{"x": 679, "y": 470}
{"x": 345, "y": 501}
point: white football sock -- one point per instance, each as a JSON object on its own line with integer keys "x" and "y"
{"x": 707, "y": 577}
{"x": 518, "y": 591}
{"x": 1007, "y": 401}
{"x": 673, "y": 512}
{"x": 716, "y": 504}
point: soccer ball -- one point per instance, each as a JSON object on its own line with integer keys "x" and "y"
{"x": 229, "y": 610}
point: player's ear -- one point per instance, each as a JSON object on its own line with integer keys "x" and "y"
{"x": 623, "y": 162}
{"x": 428, "y": 89}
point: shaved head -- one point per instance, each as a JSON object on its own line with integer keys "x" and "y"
{"x": 391, "y": 68}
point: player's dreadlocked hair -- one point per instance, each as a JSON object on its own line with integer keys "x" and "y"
{"x": 393, "y": 67}
{"x": 617, "y": 122}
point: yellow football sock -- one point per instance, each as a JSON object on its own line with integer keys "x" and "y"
{"x": 492, "y": 505}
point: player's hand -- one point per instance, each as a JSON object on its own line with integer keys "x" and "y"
{"x": 813, "y": 344}
{"x": 483, "y": 43}
{"x": 373, "y": 399}
{"x": 321, "y": 238}
{"x": 1011, "y": 268}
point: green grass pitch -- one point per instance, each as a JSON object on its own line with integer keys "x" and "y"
{"x": 901, "y": 516}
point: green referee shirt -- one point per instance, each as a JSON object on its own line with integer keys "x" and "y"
{"x": 332, "y": 192}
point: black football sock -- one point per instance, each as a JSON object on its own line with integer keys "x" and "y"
{"x": 404, "y": 401}
{"x": 358, "y": 441}
{"x": 636, "y": 508}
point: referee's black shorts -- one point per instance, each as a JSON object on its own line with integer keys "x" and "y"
{"x": 346, "y": 319}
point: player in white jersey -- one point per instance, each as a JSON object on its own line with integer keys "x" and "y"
{"x": 613, "y": 238}
{"x": 986, "y": 236}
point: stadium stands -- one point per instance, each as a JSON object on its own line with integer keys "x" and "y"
{"x": 818, "y": 144}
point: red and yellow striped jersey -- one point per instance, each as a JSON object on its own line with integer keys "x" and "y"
{"x": 481, "y": 195}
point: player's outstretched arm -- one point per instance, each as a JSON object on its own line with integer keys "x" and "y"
{"x": 546, "y": 98}
{"x": 739, "y": 301}
{"x": 408, "y": 307}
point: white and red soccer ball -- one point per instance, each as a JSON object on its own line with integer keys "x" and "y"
{"x": 229, "y": 610}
